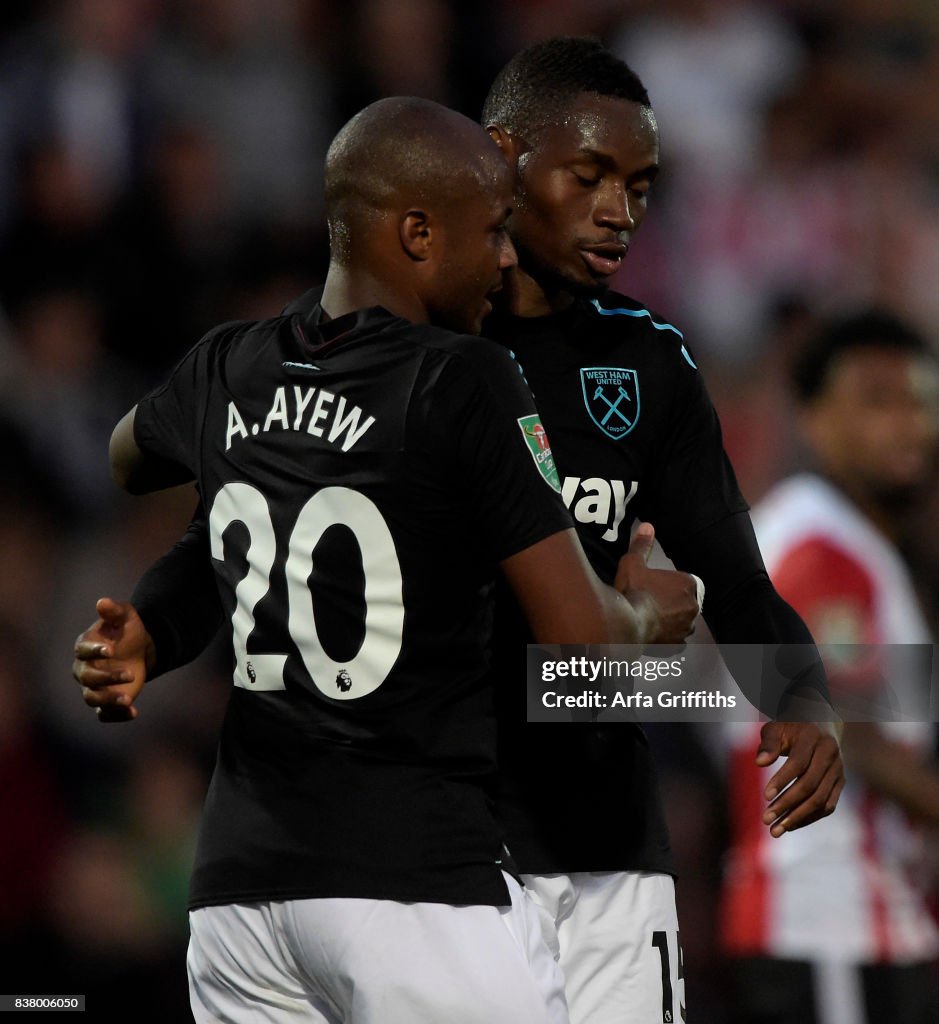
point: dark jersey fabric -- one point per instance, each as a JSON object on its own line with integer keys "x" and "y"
{"x": 634, "y": 435}
{"x": 577, "y": 797}
{"x": 362, "y": 479}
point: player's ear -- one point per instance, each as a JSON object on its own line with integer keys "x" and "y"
{"x": 512, "y": 146}
{"x": 415, "y": 230}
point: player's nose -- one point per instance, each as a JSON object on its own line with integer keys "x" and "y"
{"x": 507, "y": 256}
{"x": 614, "y": 210}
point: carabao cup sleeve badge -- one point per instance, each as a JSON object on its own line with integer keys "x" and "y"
{"x": 537, "y": 440}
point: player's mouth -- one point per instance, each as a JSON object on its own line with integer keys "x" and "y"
{"x": 489, "y": 297}
{"x": 604, "y": 260}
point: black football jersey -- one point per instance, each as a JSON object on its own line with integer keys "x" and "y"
{"x": 362, "y": 479}
{"x": 635, "y": 436}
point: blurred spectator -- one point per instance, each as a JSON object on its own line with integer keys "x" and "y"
{"x": 752, "y": 399}
{"x": 829, "y": 923}
{"x": 65, "y": 399}
{"x": 105, "y": 942}
{"x": 174, "y": 245}
{"x": 239, "y": 71}
{"x": 160, "y": 172}
{"x": 435, "y": 48}
{"x": 391, "y": 32}
{"x": 710, "y": 67}
{"x": 812, "y": 218}
{"x": 57, "y": 237}
{"x": 75, "y": 76}
{"x": 35, "y": 822}
{"x": 163, "y": 803}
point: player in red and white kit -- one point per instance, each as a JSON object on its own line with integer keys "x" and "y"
{"x": 830, "y": 925}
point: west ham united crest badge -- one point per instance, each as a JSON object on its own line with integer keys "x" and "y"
{"x": 611, "y": 395}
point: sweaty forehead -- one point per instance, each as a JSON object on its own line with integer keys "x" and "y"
{"x": 619, "y": 128}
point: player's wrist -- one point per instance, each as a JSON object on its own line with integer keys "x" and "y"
{"x": 646, "y": 616}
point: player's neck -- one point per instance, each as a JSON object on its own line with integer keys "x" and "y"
{"x": 346, "y": 291}
{"x": 875, "y": 511}
{"x": 522, "y": 295}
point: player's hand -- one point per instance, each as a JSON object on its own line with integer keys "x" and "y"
{"x": 673, "y": 595}
{"x": 808, "y": 785}
{"x": 112, "y": 658}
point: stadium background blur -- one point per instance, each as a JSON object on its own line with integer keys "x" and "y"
{"x": 160, "y": 172}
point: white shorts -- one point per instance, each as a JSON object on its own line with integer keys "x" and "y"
{"x": 362, "y": 961}
{"x": 615, "y": 935}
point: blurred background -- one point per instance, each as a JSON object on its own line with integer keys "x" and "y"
{"x": 160, "y": 172}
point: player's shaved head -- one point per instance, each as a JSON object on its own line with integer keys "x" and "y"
{"x": 398, "y": 153}
{"x": 417, "y": 198}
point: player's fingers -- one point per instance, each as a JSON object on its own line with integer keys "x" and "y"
{"x": 808, "y": 760}
{"x": 793, "y": 769}
{"x": 835, "y": 795}
{"x": 103, "y": 696}
{"x": 642, "y": 541}
{"x": 98, "y": 696}
{"x": 113, "y": 612}
{"x": 812, "y": 784}
{"x": 86, "y": 675}
{"x": 101, "y": 672}
{"x": 91, "y": 650}
{"x": 819, "y": 805}
{"x": 770, "y": 744}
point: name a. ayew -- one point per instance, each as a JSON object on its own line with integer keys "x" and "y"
{"x": 329, "y": 416}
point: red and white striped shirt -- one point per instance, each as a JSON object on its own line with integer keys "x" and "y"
{"x": 845, "y": 887}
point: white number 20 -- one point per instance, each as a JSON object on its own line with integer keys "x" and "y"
{"x": 384, "y": 607}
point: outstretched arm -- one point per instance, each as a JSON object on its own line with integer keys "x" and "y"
{"x": 743, "y": 607}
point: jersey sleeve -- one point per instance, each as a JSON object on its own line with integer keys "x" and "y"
{"x": 836, "y": 596}
{"x": 177, "y": 599}
{"x": 833, "y": 591}
{"x": 168, "y": 421}
{"x": 694, "y": 485}
{"x": 491, "y": 439}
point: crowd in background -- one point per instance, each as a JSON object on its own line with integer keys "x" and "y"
{"x": 160, "y": 169}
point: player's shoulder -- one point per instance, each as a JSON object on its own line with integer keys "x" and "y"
{"x": 808, "y": 524}
{"x": 800, "y": 525}
{"x": 622, "y": 315}
{"x": 626, "y": 313}
{"x": 808, "y": 503}
{"x": 232, "y": 331}
{"x": 818, "y": 556}
{"x": 797, "y": 495}
{"x": 237, "y": 342}
{"x": 469, "y": 353}
{"x": 830, "y": 586}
